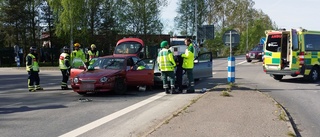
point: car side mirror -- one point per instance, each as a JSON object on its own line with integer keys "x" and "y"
{"x": 82, "y": 67}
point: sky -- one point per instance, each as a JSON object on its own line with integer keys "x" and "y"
{"x": 285, "y": 13}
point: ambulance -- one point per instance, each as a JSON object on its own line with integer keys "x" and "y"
{"x": 292, "y": 52}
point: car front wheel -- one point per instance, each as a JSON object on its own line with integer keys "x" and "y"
{"x": 120, "y": 86}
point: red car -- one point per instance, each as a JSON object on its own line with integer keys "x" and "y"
{"x": 115, "y": 72}
{"x": 255, "y": 54}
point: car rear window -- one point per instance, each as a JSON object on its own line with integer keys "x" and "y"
{"x": 128, "y": 48}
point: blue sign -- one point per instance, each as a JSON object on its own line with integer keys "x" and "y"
{"x": 262, "y": 40}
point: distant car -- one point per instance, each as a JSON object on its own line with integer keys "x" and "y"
{"x": 255, "y": 54}
{"x": 113, "y": 73}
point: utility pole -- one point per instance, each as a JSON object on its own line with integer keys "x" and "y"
{"x": 196, "y": 19}
{"x": 247, "y": 35}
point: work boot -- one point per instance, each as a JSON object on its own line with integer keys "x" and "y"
{"x": 167, "y": 90}
{"x": 173, "y": 91}
{"x": 65, "y": 87}
{"x": 32, "y": 90}
{"x": 38, "y": 87}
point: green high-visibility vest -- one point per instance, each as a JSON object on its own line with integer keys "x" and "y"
{"x": 34, "y": 65}
{"x": 165, "y": 60}
{"x": 63, "y": 58}
{"x": 188, "y": 57}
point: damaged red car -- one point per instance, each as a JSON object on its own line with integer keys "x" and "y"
{"x": 114, "y": 73}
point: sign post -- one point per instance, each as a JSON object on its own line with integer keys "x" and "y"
{"x": 231, "y": 38}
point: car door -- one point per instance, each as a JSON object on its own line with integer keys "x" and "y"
{"x": 136, "y": 77}
{"x": 77, "y": 69}
{"x": 203, "y": 66}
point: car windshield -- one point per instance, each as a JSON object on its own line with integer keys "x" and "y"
{"x": 258, "y": 48}
{"x": 128, "y": 48}
{"x": 109, "y": 63}
{"x": 177, "y": 42}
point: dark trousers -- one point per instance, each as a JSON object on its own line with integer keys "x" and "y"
{"x": 165, "y": 75}
{"x": 190, "y": 78}
{"x": 33, "y": 78}
{"x": 65, "y": 77}
{"x": 179, "y": 74}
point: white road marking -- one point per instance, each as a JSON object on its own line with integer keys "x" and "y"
{"x": 241, "y": 62}
{"x": 110, "y": 117}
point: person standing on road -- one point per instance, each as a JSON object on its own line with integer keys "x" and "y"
{"x": 92, "y": 53}
{"x": 77, "y": 54}
{"x": 32, "y": 67}
{"x": 166, "y": 65}
{"x": 64, "y": 65}
{"x": 188, "y": 58}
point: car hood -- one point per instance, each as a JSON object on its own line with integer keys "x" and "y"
{"x": 98, "y": 73}
{"x": 255, "y": 51}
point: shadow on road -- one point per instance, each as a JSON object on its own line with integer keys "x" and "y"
{"x": 26, "y": 108}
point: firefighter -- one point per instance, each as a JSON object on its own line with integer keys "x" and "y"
{"x": 92, "y": 53}
{"x": 188, "y": 64}
{"x": 77, "y": 53}
{"x": 166, "y": 65}
{"x": 64, "y": 65}
{"x": 32, "y": 68}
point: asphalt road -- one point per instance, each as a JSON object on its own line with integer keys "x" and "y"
{"x": 54, "y": 112}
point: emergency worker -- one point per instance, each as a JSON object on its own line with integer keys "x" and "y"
{"x": 166, "y": 65}
{"x": 92, "y": 53}
{"x": 77, "y": 53}
{"x": 32, "y": 68}
{"x": 188, "y": 63}
{"x": 64, "y": 65}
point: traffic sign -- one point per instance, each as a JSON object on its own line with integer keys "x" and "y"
{"x": 231, "y": 37}
{"x": 205, "y": 32}
{"x": 262, "y": 40}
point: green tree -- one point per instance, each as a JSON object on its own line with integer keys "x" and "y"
{"x": 70, "y": 18}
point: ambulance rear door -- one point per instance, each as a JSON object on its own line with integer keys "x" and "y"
{"x": 294, "y": 50}
{"x": 272, "y": 54}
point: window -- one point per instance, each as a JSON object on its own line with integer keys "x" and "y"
{"x": 312, "y": 42}
{"x": 109, "y": 63}
{"x": 128, "y": 48}
{"x": 273, "y": 42}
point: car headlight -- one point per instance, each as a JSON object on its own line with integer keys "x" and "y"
{"x": 75, "y": 80}
{"x": 103, "y": 79}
